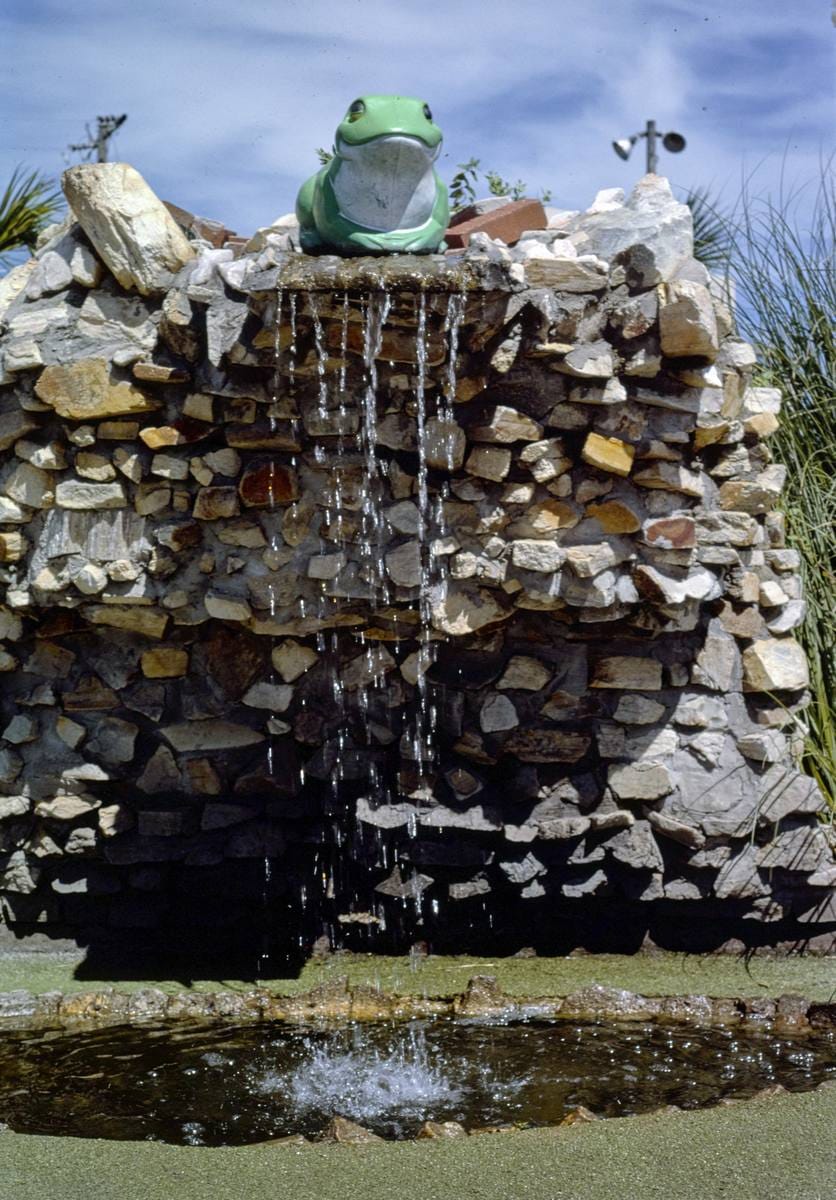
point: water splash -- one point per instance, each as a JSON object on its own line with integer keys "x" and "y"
{"x": 367, "y": 1083}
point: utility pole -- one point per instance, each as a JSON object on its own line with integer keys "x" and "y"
{"x": 652, "y": 156}
{"x": 107, "y": 126}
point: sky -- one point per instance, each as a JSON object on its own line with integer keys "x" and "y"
{"x": 227, "y": 100}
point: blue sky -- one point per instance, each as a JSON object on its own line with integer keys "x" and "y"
{"x": 227, "y": 99}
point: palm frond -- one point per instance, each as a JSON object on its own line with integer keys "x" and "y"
{"x": 29, "y": 202}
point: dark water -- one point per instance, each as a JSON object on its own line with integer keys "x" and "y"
{"x": 227, "y": 1085}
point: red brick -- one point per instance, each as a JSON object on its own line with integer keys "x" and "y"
{"x": 506, "y": 223}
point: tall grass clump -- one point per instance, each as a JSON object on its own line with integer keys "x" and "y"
{"x": 781, "y": 262}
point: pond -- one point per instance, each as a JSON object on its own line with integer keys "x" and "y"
{"x": 211, "y": 1084}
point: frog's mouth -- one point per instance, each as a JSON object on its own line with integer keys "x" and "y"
{"x": 386, "y": 183}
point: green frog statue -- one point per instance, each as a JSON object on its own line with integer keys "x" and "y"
{"x": 380, "y": 193}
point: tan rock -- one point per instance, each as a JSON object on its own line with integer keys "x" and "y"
{"x": 670, "y": 477}
{"x": 608, "y": 454}
{"x": 84, "y": 391}
{"x": 629, "y": 672}
{"x": 227, "y": 608}
{"x": 775, "y": 664}
{"x": 488, "y": 462}
{"x": 95, "y": 467}
{"x": 614, "y": 516}
{"x": 215, "y": 503}
{"x": 165, "y": 662}
{"x": 291, "y": 659}
{"x": 503, "y": 424}
{"x": 546, "y": 518}
{"x": 459, "y": 610}
{"x": 131, "y": 229}
{"x": 136, "y": 619}
{"x": 687, "y": 324}
{"x": 758, "y": 495}
{"x": 13, "y": 547}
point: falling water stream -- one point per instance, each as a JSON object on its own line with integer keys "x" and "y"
{"x": 341, "y": 421}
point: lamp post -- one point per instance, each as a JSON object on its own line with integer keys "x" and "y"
{"x": 673, "y": 142}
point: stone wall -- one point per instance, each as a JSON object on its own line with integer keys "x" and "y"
{"x": 440, "y": 597}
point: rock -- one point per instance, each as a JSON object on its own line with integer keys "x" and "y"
{"x": 738, "y": 879}
{"x": 165, "y": 662}
{"x": 670, "y": 533}
{"x": 671, "y": 477}
{"x": 227, "y": 607}
{"x": 488, "y": 462}
{"x": 631, "y": 673}
{"x": 636, "y": 847}
{"x": 291, "y": 659}
{"x": 326, "y": 566}
{"x": 615, "y": 516}
{"x": 593, "y": 360}
{"x": 587, "y": 273}
{"x": 589, "y": 561}
{"x": 578, "y": 1116}
{"x": 160, "y": 774}
{"x": 774, "y": 664}
{"x": 444, "y": 444}
{"x": 441, "y": 1130}
{"x": 651, "y": 234}
{"x": 608, "y": 454}
{"x": 798, "y": 846}
{"x": 404, "y": 566}
{"x": 264, "y": 485}
{"x": 533, "y": 555}
{"x": 73, "y": 494}
{"x": 687, "y": 325}
{"x": 545, "y": 518}
{"x": 496, "y": 714}
{"x": 209, "y": 735}
{"x": 215, "y": 503}
{"x": 717, "y": 664}
{"x": 638, "y": 710}
{"x": 83, "y": 391}
{"x": 130, "y": 228}
{"x": 13, "y": 547}
{"x": 758, "y": 495}
{"x": 546, "y": 459}
{"x": 503, "y": 424}
{"x": 14, "y": 423}
{"x": 640, "y": 781}
{"x": 678, "y": 831}
{"x": 275, "y": 696}
{"x": 547, "y": 745}
{"x": 30, "y": 485}
{"x": 348, "y": 1133}
{"x": 458, "y": 610}
{"x": 524, "y": 673}
{"x": 373, "y": 665}
{"x": 146, "y": 621}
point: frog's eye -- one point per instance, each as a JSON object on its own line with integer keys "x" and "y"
{"x": 356, "y": 110}
{"x": 427, "y": 112}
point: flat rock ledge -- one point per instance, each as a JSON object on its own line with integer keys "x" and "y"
{"x": 337, "y": 1001}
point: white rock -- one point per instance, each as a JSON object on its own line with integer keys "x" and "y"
{"x": 130, "y": 228}
{"x": 291, "y": 659}
{"x": 74, "y": 494}
{"x": 529, "y": 554}
{"x": 275, "y": 696}
{"x": 227, "y": 608}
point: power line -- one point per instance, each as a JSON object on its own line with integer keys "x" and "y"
{"x": 107, "y": 126}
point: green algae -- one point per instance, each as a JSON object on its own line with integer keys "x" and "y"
{"x": 778, "y": 1148}
{"x": 650, "y": 975}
